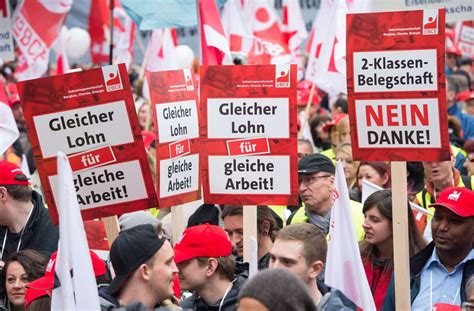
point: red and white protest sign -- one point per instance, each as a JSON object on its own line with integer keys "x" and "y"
{"x": 6, "y": 35}
{"x": 248, "y": 118}
{"x": 396, "y": 86}
{"x": 90, "y": 116}
{"x": 465, "y": 37}
{"x": 175, "y": 108}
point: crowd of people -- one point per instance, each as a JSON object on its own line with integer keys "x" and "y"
{"x": 205, "y": 270}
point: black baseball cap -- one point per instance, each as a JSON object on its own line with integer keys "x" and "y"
{"x": 130, "y": 249}
{"x": 315, "y": 163}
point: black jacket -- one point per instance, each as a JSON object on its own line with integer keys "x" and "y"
{"x": 39, "y": 234}
{"x": 417, "y": 263}
{"x": 230, "y": 300}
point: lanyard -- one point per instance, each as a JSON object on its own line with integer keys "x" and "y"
{"x": 431, "y": 291}
{"x": 21, "y": 235}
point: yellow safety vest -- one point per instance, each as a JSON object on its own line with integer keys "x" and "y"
{"x": 330, "y": 154}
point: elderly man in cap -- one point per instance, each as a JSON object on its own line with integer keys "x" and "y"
{"x": 206, "y": 267}
{"x": 24, "y": 221}
{"x": 316, "y": 175}
{"x": 144, "y": 267}
{"x": 439, "y": 272}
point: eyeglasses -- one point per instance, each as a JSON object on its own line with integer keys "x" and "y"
{"x": 467, "y": 306}
{"x": 470, "y": 160}
{"x": 308, "y": 180}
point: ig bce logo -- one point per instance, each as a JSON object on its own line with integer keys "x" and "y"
{"x": 112, "y": 78}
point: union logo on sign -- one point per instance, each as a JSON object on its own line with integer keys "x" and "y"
{"x": 282, "y": 76}
{"x": 112, "y": 78}
{"x": 430, "y": 22}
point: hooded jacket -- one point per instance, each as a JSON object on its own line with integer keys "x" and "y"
{"x": 230, "y": 300}
{"x": 39, "y": 233}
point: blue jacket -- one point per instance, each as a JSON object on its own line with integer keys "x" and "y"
{"x": 467, "y": 121}
{"x": 417, "y": 263}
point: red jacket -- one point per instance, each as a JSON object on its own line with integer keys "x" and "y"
{"x": 378, "y": 281}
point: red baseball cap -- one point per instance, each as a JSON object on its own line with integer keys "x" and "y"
{"x": 45, "y": 284}
{"x": 202, "y": 241}
{"x": 464, "y": 95}
{"x": 335, "y": 121}
{"x": 10, "y": 175}
{"x": 454, "y": 50}
{"x": 458, "y": 200}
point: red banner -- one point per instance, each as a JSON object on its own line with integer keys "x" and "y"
{"x": 396, "y": 86}
{"x": 91, "y": 117}
{"x": 174, "y": 102}
{"x": 248, "y": 125}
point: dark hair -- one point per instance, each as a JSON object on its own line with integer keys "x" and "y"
{"x": 40, "y": 304}
{"x": 313, "y": 124}
{"x": 469, "y": 145}
{"x": 314, "y": 243}
{"x": 382, "y": 168}
{"x": 19, "y": 192}
{"x": 33, "y": 262}
{"x": 341, "y": 102}
{"x": 382, "y": 200}
{"x": 225, "y": 266}
{"x": 263, "y": 214}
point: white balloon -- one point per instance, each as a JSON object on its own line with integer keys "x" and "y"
{"x": 184, "y": 57}
{"x": 78, "y": 42}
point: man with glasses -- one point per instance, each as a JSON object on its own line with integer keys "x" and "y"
{"x": 316, "y": 175}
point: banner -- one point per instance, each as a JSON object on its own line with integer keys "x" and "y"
{"x": 465, "y": 37}
{"x": 175, "y": 109}
{"x": 456, "y": 10}
{"x": 396, "y": 85}
{"x": 90, "y": 116}
{"x": 36, "y": 24}
{"x": 6, "y": 35}
{"x": 248, "y": 116}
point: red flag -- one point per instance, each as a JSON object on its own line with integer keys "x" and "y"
{"x": 236, "y": 28}
{"x": 269, "y": 46}
{"x": 36, "y": 24}
{"x": 293, "y": 26}
{"x": 214, "y": 45}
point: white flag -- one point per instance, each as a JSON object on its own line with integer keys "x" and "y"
{"x": 293, "y": 26}
{"x": 78, "y": 289}
{"x": 8, "y": 129}
{"x": 344, "y": 269}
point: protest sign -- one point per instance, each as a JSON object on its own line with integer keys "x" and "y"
{"x": 396, "y": 86}
{"x": 90, "y": 116}
{"x": 248, "y": 116}
{"x": 465, "y": 37}
{"x": 175, "y": 109}
{"x": 6, "y": 36}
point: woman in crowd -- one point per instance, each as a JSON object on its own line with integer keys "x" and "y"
{"x": 20, "y": 268}
{"x": 320, "y": 137}
{"x": 377, "y": 173}
{"x": 377, "y": 246}
{"x": 344, "y": 153}
{"x": 469, "y": 163}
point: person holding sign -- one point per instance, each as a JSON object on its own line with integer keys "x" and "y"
{"x": 24, "y": 221}
{"x": 377, "y": 247}
{"x": 316, "y": 174}
{"x": 440, "y": 271}
{"x": 203, "y": 255}
{"x": 232, "y": 216}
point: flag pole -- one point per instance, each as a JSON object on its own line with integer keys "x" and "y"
{"x": 306, "y": 113}
{"x": 111, "y": 44}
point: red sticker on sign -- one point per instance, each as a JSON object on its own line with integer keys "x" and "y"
{"x": 179, "y": 148}
{"x": 249, "y": 146}
{"x": 91, "y": 158}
